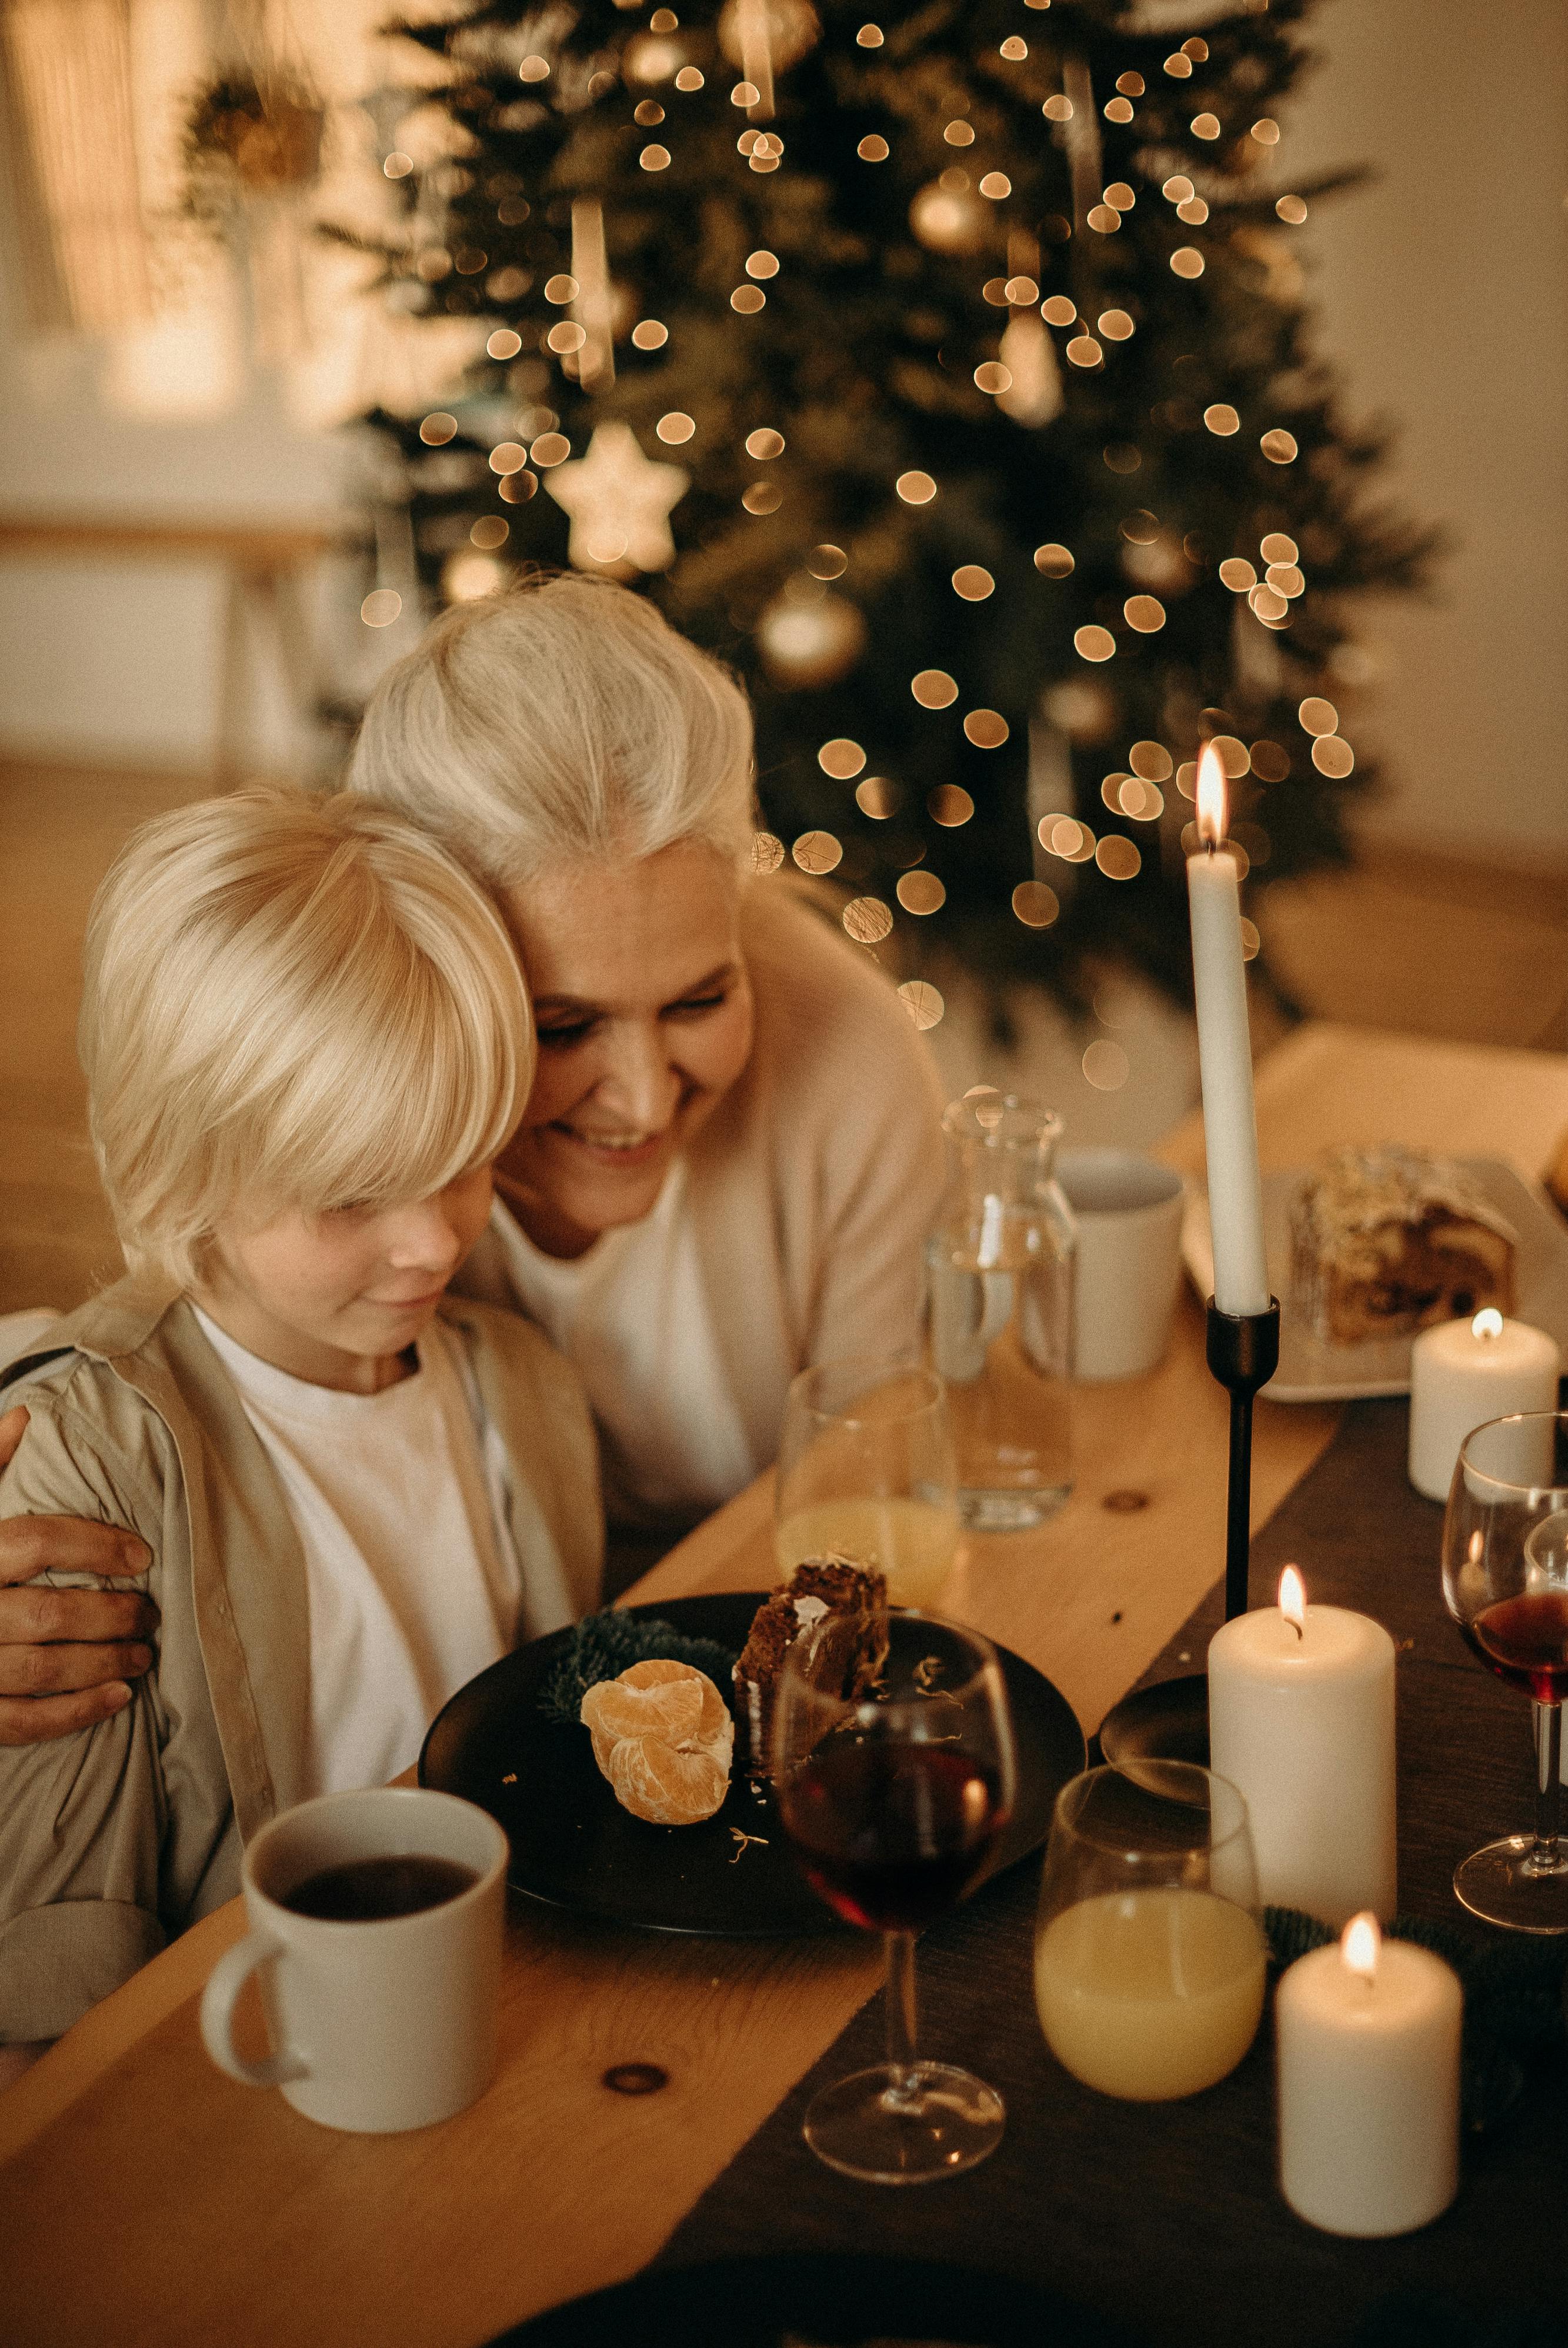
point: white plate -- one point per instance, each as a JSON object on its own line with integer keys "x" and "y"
{"x": 1313, "y": 1370}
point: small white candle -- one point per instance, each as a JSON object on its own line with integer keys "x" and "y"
{"x": 1224, "y": 1056}
{"x": 1367, "y": 2041}
{"x": 1463, "y": 1373}
{"x": 1301, "y": 1719}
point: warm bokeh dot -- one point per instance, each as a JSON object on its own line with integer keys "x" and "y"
{"x": 841, "y": 759}
{"x": 1054, "y": 561}
{"x": 817, "y": 852}
{"x": 920, "y": 892}
{"x": 949, "y": 806}
{"x": 1036, "y": 905}
{"x": 922, "y": 1002}
{"x": 867, "y": 921}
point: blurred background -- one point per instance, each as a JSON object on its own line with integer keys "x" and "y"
{"x": 198, "y": 526}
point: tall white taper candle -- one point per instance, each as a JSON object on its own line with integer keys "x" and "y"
{"x": 1224, "y": 1056}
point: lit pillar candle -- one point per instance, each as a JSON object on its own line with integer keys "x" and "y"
{"x": 1301, "y": 1719}
{"x": 1463, "y": 1373}
{"x": 1367, "y": 2036}
{"x": 1224, "y": 1056}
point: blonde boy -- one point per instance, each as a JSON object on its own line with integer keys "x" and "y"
{"x": 305, "y": 1039}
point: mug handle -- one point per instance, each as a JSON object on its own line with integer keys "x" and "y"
{"x": 219, "y": 1999}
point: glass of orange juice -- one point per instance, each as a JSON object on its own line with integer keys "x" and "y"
{"x": 866, "y": 1467}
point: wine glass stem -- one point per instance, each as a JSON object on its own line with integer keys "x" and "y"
{"x": 1548, "y": 1722}
{"x": 900, "y": 2012}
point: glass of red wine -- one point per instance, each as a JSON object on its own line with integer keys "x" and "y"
{"x": 895, "y": 1779}
{"x": 1505, "y": 1580}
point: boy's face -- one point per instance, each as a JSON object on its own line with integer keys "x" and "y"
{"x": 336, "y": 1298}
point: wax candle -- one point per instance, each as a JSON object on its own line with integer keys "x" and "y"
{"x": 1224, "y": 1056}
{"x": 1301, "y": 1719}
{"x": 1367, "y": 2040}
{"x": 1150, "y": 1994}
{"x": 1463, "y": 1373}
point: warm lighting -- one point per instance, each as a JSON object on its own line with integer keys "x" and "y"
{"x": 1487, "y": 1325}
{"x": 1211, "y": 797}
{"x": 1059, "y": 310}
{"x": 765, "y": 443}
{"x": 916, "y": 488}
{"x": 1053, "y": 560}
{"x": 932, "y": 688}
{"x": 1292, "y": 1599}
{"x": 973, "y": 582}
{"x": 1359, "y": 1945}
{"x": 841, "y": 759}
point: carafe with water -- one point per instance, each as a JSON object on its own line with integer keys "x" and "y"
{"x": 1000, "y": 1266}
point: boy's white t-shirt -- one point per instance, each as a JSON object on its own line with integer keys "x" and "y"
{"x": 414, "y": 1582}
{"x": 632, "y": 1315}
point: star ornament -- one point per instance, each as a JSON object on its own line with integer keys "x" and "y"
{"x": 620, "y": 502}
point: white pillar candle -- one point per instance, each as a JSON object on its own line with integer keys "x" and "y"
{"x": 1366, "y": 2036}
{"x": 1225, "y": 1057}
{"x": 1463, "y": 1373}
{"x": 1301, "y": 1719}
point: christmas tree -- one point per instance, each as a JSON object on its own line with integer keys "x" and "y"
{"x": 946, "y": 371}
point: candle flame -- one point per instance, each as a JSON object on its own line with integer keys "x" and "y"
{"x": 1212, "y": 810}
{"x": 1487, "y": 1324}
{"x": 1292, "y": 1599}
{"x": 1358, "y": 1945}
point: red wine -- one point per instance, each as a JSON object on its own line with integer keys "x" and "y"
{"x": 367, "y": 1891}
{"x": 891, "y": 1834}
{"x": 1525, "y": 1642}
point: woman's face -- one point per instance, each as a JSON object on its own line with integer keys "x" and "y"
{"x": 644, "y": 1015}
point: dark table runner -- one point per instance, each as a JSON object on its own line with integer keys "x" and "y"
{"x": 1166, "y": 2216}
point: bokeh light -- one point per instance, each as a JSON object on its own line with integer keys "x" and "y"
{"x": 841, "y": 759}
{"x": 932, "y": 688}
{"x": 922, "y": 1002}
{"x": 817, "y": 852}
{"x": 1093, "y": 643}
{"x": 920, "y": 892}
{"x": 949, "y": 806}
{"x": 1055, "y": 561}
{"x": 988, "y": 729}
{"x": 867, "y": 920}
{"x": 878, "y": 797}
{"x": 973, "y": 582}
{"x": 1036, "y": 905}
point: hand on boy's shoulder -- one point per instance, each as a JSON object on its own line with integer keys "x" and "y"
{"x": 66, "y": 1655}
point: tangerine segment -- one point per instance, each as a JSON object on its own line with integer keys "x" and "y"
{"x": 663, "y": 1736}
{"x": 653, "y": 1781}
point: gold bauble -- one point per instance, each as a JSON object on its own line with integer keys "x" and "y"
{"x": 810, "y": 640}
{"x": 948, "y": 220}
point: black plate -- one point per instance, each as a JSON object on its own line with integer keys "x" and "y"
{"x": 820, "y": 2296}
{"x": 1167, "y": 1722}
{"x": 575, "y": 1846}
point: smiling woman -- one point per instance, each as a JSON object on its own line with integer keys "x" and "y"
{"x": 731, "y": 1153}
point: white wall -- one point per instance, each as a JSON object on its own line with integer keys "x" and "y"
{"x": 1442, "y": 292}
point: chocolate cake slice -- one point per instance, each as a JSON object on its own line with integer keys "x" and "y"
{"x": 819, "y": 1586}
{"x": 1386, "y": 1241}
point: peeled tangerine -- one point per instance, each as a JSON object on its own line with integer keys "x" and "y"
{"x": 663, "y": 1736}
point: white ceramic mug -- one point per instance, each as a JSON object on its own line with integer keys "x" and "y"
{"x": 376, "y": 2024}
{"x": 1128, "y": 1210}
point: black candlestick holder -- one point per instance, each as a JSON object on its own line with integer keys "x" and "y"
{"x": 1170, "y": 1721}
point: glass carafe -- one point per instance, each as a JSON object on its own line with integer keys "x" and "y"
{"x": 1000, "y": 1265}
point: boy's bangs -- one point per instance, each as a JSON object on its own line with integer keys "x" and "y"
{"x": 430, "y": 1087}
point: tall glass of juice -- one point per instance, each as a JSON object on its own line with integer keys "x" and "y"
{"x": 866, "y": 1467}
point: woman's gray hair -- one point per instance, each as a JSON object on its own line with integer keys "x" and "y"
{"x": 561, "y": 720}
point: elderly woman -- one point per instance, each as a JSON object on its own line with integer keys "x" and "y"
{"x": 731, "y": 1154}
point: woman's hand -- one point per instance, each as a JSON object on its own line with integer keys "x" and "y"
{"x": 66, "y": 1655}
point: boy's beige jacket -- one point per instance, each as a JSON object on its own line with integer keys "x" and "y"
{"x": 113, "y": 1840}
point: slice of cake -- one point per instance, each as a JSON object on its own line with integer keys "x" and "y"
{"x": 1386, "y": 1241}
{"x": 819, "y": 1586}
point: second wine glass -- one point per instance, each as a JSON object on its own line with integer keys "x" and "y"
{"x": 1505, "y": 1582}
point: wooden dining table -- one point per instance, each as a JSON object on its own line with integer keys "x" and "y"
{"x": 145, "y": 2198}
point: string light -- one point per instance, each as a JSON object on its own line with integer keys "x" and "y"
{"x": 1035, "y": 905}
{"x": 817, "y": 853}
{"x": 867, "y": 921}
{"x": 920, "y": 999}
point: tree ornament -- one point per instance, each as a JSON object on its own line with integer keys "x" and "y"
{"x": 1028, "y": 353}
{"x": 620, "y": 502}
{"x": 949, "y": 219}
{"x": 810, "y": 640}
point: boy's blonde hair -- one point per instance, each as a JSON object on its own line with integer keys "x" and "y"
{"x": 289, "y": 1003}
{"x": 563, "y": 719}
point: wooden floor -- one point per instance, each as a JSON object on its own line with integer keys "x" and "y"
{"x": 1421, "y": 945}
